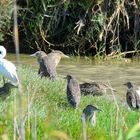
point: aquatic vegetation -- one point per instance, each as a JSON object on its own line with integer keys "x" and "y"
{"x": 97, "y": 28}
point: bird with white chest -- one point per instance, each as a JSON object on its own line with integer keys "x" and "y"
{"x": 7, "y": 68}
{"x": 89, "y": 114}
{"x": 132, "y": 96}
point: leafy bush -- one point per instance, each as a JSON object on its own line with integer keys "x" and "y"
{"x": 5, "y": 17}
{"x": 82, "y": 27}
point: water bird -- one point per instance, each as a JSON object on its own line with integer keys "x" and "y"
{"x": 49, "y": 62}
{"x": 89, "y": 114}
{"x": 94, "y": 88}
{"x": 42, "y": 60}
{"x": 7, "y": 68}
{"x": 55, "y": 57}
{"x": 73, "y": 91}
{"x": 132, "y": 96}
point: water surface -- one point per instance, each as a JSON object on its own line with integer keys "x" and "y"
{"x": 85, "y": 70}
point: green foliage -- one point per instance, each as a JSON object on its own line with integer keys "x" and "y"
{"x": 82, "y": 27}
{"x": 5, "y": 17}
{"x": 55, "y": 119}
{"x": 134, "y": 132}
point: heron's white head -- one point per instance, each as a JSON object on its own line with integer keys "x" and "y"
{"x": 2, "y": 52}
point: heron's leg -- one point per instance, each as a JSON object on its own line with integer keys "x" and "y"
{"x": 39, "y": 71}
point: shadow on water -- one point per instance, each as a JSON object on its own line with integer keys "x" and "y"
{"x": 85, "y": 70}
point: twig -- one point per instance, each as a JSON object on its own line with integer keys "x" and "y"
{"x": 42, "y": 35}
{"x": 16, "y": 128}
{"x": 28, "y": 108}
{"x": 124, "y": 53}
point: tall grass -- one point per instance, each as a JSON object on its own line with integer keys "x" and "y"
{"x": 47, "y": 114}
{"x": 5, "y": 18}
{"x": 38, "y": 109}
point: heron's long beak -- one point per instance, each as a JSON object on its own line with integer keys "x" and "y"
{"x": 34, "y": 54}
{"x": 99, "y": 109}
{"x": 125, "y": 84}
{"x": 65, "y": 77}
{"x": 65, "y": 56}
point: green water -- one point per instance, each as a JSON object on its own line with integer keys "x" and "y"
{"x": 115, "y": 73}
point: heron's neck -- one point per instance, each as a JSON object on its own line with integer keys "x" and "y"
{"x": 3, "y": 54}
